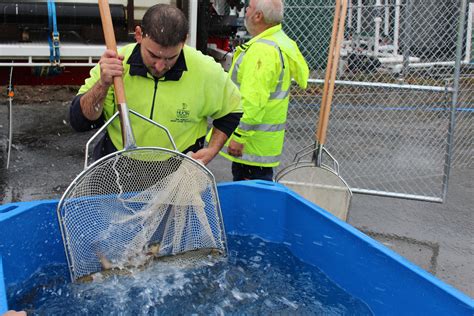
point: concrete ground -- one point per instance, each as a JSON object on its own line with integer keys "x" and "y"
{"x": 47, "y": 155}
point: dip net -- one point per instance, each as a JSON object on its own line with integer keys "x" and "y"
{"x": 134, "y": 206}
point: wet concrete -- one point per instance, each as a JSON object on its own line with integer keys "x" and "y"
{"x": 47, "y": 155}
{"x": 437, "y": 237}
{"x": 422, "y": 253}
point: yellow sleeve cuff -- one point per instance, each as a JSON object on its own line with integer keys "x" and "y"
{"x": 237, "y": 137}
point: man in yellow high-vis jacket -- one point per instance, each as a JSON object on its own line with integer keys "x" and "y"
{"x": 166, "y": 81}
{"x": 263, "y": 68}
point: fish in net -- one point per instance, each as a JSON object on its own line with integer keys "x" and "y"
{"x": 132, "y": 207}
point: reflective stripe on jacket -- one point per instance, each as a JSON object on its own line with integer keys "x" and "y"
{"x": 182, "y": 104}
{"x": 262, "y": 69}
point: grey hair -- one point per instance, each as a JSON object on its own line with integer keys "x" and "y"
{"x": 272, "y": 10}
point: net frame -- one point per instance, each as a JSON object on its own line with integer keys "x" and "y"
{"x": 62, "y": 212}
{"x": 318, "y": 180}
{"x": 334, "y": 197}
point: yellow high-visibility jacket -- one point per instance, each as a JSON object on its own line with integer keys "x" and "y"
{"x": 262, "y": 69}
{"x": 182, "y": 104}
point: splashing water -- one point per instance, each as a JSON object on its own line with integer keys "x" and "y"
{"x": 258, "y": 278}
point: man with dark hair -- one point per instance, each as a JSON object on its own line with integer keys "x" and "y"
{"x": 166, "y": 81}
{"x": 159, "y": 19}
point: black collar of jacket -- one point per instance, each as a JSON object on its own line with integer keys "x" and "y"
{"x": 138, "y": 68}
{"x": 244, "y": 46}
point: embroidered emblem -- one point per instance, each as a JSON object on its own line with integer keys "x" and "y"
{"x": 182, "y": 114}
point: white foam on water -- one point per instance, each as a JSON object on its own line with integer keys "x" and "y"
{"x": 262, "y": 278}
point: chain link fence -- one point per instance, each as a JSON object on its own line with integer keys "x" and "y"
{"x": 463, "y": 156}
{"x": 404, "y": 85}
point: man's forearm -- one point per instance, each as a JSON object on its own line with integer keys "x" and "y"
{"x": 92, "y": 102}
{"x": 217, "y": 141}
{"x": 205, "y": 155}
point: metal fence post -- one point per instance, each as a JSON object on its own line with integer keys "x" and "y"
{"x": 454, "y": 100}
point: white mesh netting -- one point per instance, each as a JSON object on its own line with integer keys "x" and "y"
{"x": 320, "y": 186}
{"x": 135, "y": 206}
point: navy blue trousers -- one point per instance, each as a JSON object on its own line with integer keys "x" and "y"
{"x": 247, "y": 172}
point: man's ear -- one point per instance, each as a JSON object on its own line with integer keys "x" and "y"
{"x": 186, "y": 41}
{"x": 138, "y": 34}
{"x": 258, "y": 17}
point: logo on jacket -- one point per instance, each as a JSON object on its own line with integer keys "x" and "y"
{"x": 182, "y": 114}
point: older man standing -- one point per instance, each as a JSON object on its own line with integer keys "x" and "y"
{"x": 262, "y": 69}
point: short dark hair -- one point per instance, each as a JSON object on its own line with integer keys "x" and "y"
{"x": 165, "y": 24}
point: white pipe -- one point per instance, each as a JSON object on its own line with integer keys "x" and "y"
{"x": 396, "y": 27}
{"x": 349, "y": 15}
{"x": 193, "y": 12}
{"x": 398, "y": 195}
{"x": 378, "y": 21}
{"x": 384, "y": 85}
{"x": 470, "y": 18}
{"x": 436, "y": 63}
{"x": 359, "y": 16}
{"x": 10, "y": 129}
{"x": 242, "y": 13}
{"x": 10, "y": 118}
{"x": 387, "y": 19}
{"x": 391, "y": 59}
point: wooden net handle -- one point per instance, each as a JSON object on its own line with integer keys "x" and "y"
{"x": 331, "y": 71}
{"x": 111, "y": 44}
